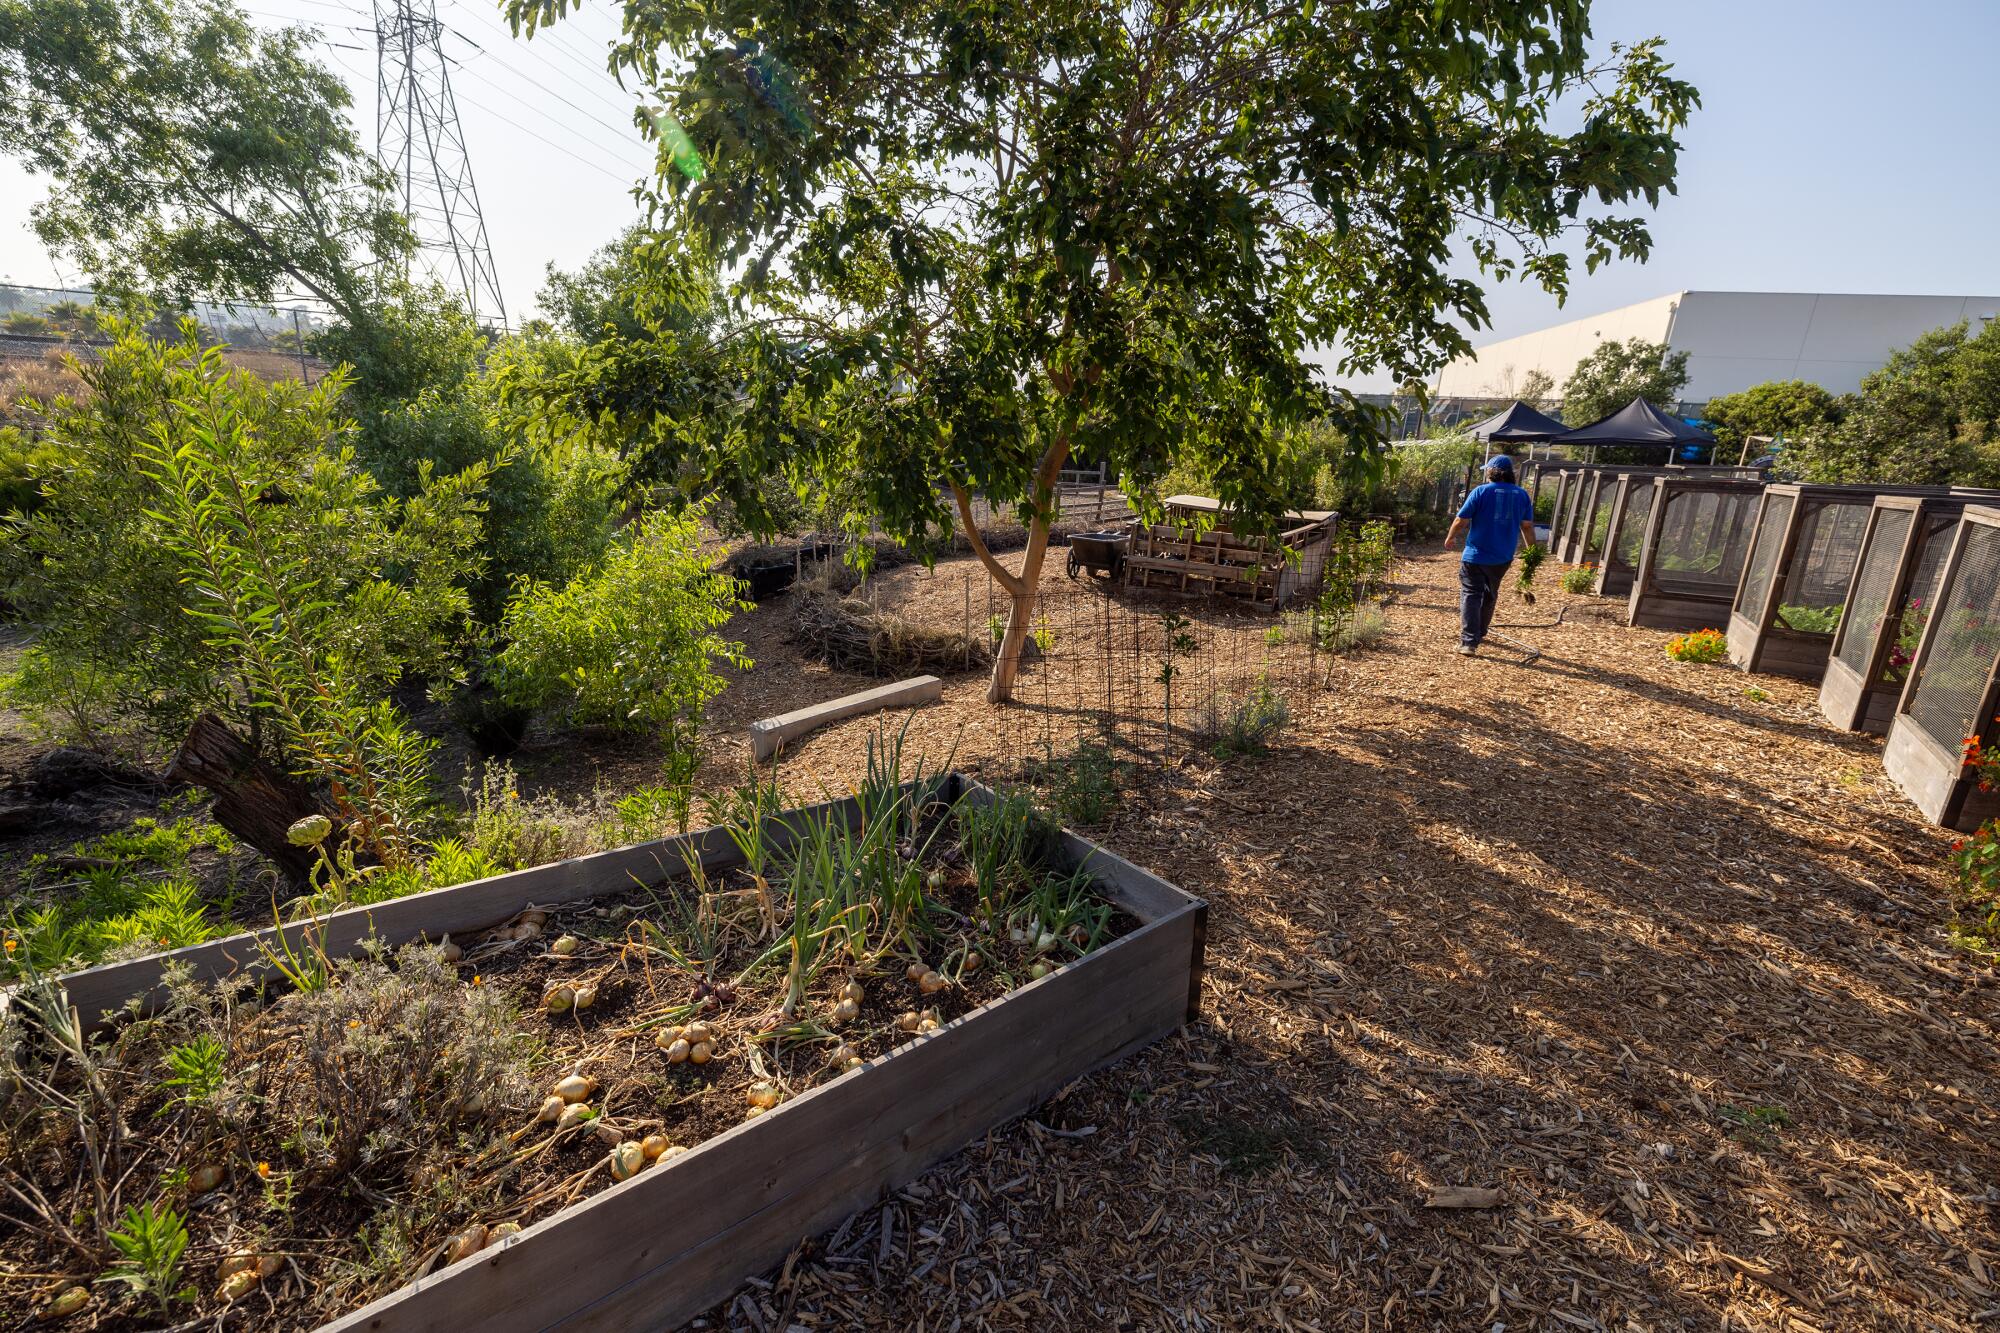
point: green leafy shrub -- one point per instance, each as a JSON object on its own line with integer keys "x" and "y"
{"x": 210, "y": 546}
{"x": 1084, "y": 788}
{"x": 133, "y": 890}
{"x": 1241, "y": 724}
{"x": 632, "y": 643}
{"x": 24, "y": 461}
{"x": 1579, "y": 579}
{"x": 150, "y": 1241}
{"x": 1363, "y": 627}
{"x": 1810, "y": 619}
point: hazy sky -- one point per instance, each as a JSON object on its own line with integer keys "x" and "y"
{"x": 1842, "y": 146}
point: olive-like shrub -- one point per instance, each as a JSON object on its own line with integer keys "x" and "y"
{"x": 632, "y": 642}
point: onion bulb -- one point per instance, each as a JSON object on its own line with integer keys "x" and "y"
{"x": 1038, "y": 971}
{"x": 528, "y": 930}
{"x": 915, "y": 971}
{"x": 908, "y": 1020}
{"x": 237, "y": 1285}
{"x": 1044, "y": 942}
{"x": 628, "y": 1159}
{"x": 701, "y": 1052}
{"x": 667, "y": 1036}
{"x": 558, "y": 999}
{"x": 534, "y": 916}
{"x": 1018, "y": 935}
{"x": 930, "y": 983}
{"x": 67, "y": 1302}
{"x": 552, "y": 1107}
{"x": 672, "y": 1151}
{"x": 575, "y": 1087}
{"x": 762, "y": 1094}
{"x": 235, "y": 1262}
{"x": 846, "y": 1011}
{"x": 653, "y": 1145}
{"x": 845, "y": 1057}
{"x": 971, "y": 963}
{"x": 853, "y": 991}
{"x": 753, "y": 1112}
{"x": 205, "y": 1178}
{"x": 572, "y": 1115}
{"x": 586, "y": 995}
{"x": 466, "y": 1243}
{"x": 934, "y": 881}
{"x": 697, "y": 1033}
{"x": 565, "y": 945}
{"x": 1078, "y": 936}
{"x": 268, "y": 1264}
{"x": 501, "y": 1232}
{"x": 678, "y": 1050}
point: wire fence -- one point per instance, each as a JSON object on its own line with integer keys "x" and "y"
{"x": 1105, "y": 673}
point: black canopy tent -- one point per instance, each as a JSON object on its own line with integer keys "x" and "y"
{"x": 1517, "y": 424}
{"x": 1638, "y": 424}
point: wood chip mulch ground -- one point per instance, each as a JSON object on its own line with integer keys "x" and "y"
{"x": 1593, "y": 993}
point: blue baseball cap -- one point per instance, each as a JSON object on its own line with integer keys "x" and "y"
{"x": 1499, "y": 463}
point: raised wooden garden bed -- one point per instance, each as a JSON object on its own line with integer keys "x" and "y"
{"x": 666, "y": 1243}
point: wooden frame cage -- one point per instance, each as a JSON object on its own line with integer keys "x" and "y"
{"x": 1697, "y": 539}
{"x": 1802, "y": 560}
{"x": 1624, "y": 533}
{"x": 1177, "y": 556}
{"x": 1888, "y": 603}
{"x": 1953, "y": 688}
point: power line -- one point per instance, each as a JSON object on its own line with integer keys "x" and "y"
{"x": 535, "y": 83}
{"x": 581, "y": 161}
{"x": 509, "y": 40}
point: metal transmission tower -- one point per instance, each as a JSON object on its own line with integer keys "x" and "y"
{"x": 417, "y": 136}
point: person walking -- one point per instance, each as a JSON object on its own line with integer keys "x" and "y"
{"x": 1495, "y": 520}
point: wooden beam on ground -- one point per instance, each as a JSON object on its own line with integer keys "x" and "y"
{"x": 768, "y": 734}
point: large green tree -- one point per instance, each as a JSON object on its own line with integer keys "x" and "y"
{"x": 1617, "y": 372}
{"x": 1929, "y": 416}
{"x": 975, "y": 240}
{"x": 1794, "y": 409}
{"x": 191, "y": 156}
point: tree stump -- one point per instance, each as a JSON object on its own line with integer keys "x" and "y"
{"x": 254, "y": 801}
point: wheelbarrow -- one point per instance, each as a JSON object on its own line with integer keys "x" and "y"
{"x": 1101, "y": 553}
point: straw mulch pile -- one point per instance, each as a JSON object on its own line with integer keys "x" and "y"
{"x": 1589, "y": 994}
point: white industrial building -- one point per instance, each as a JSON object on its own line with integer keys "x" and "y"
{"x": 1733, "y": 340}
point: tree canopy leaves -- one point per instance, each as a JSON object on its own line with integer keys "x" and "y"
{"x": 192, "y": 156}
{"x": 1617, "y": 372}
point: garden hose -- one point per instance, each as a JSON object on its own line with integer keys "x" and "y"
{"x": 1534, "y": 624}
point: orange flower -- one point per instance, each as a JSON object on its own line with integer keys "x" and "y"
{"x": 264, "y": 1170}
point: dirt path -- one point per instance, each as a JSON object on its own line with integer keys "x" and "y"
{"x": 1659, "y": 960}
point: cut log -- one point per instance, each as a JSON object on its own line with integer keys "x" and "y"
{"x": 254, "y": 801}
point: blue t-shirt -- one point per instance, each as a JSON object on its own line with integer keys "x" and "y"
{"x": 1497, "y": 510}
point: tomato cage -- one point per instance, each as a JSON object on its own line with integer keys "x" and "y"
{"x": 1802, "y": 561}
{"x": 1691, "y": 557}
{"x": 1950, "y": 694}
{"x": 1888, "y": 604}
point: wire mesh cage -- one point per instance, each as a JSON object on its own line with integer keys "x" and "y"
{"x": 1624, "y": 534}
{"x": 1802, "y": 564}
{"x": 1692, "y": 555}
{"x": 1894, "y": 588}
{"x": 1949, "y": 695}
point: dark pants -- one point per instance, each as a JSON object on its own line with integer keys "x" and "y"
{"x": 1478, "y": 594}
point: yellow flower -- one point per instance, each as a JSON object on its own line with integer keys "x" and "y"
{"x": 264, "y": 1170}
{"x": 353, "y": 1022}
{"x": 11, "y": 945}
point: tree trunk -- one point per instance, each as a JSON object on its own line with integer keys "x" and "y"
{"x": 1022, "y": 597}
{"x": 253, "y": 800}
